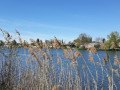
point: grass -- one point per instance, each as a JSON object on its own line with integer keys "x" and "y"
{"x": 43, "y": 71}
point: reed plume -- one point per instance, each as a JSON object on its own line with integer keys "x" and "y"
{"x": 56, "y": 43}
{"x": 98, "y": 63}
{"x": 17, "y": 32}
{"x": 72, "y": 56}
{"x": 113, "y": 45}
{"x": 65, "y": 53}
{"x": 107, "y": 56}
{"x": 47, "y": 69}
{"x": 57, "y": 87}
{"x": 116, "y": 71}
{"x": 74, "y": 63}
{"x": 91, "y": 57}
{"x": 103, "y": 46}
{"x": 78, "y": 54}
{"x": 116, "y": 61}
{"x": 34, "y": 54}
{"x": 20, "y": 40}
{"x": 83, "y": 67}
{"x": 92, "y": 49}
{"x": 110, "y": 79}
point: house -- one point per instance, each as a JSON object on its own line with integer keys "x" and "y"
{"x": 89, "y": 45}
{"x": 119, "y": 44}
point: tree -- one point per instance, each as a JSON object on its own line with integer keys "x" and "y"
{"x": 37, "y": 40}
{"x": 62, "y": 41}
{"x": 99, "y": 39}
{"x": 103, "y": 40}
{"x": 14, "y": 42}
{"x": 1, "y": 43}
{"x": 113, "y": 37}
{"x": 97, "y": 46}
{"x": 47, "y": 42}
{"x": 83, "y": 39}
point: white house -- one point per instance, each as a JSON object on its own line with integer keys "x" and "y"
{"x": 119, "y": 44}
{"x": 90, "y": 45}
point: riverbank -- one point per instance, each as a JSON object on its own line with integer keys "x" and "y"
{"x": 73, "y": 48}
{"x": 100, "y": 49}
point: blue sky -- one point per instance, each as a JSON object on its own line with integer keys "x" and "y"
{"x": 65, "y": 19}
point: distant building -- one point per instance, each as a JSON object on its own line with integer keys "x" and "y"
{"x": 119, "y": 44}
{"x": 89, "y": 45}
{"x": 69, "y": 44}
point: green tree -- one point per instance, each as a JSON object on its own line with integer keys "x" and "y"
{"x": 113, "y": 37}
{"x": 1, "y": 43}
{"x": 37, "y": 40}
{"x": 83, "y": 39}
{"x": 14, "y": 42}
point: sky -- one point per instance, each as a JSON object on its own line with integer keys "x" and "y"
{"x": 65, "y": 19}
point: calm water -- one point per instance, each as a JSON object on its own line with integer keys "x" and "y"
{"x": 53, "y": 52}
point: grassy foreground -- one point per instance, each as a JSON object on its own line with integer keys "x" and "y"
{"x": 41, "y": 72}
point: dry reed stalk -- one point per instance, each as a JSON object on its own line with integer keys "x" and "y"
{"x": 32, "y": 51}
{"x": 31, "y": 83}
{"x": 45, "y": 56}
{"x": 107, "y": 56}
{"x": 56, "y": 43}
{"x": 45, "y": 45}
{"x": 98, "y": 63}
{"x": 47, "y": 69}
{"x": 74, "y": 63}
{"x": 110, "y": 79}
{"x": 91, "y": 57}
{"x": 78, "y": 54}
{"x": 57, "y": 87}
{"x": 17, "y": 32}
{"x": 116, "y": 62}
{"x": 58, "y": 56}
{"x": 32, "y": 61}
{"x": 9, "y": 46}
{"x": 27, "y": 60}
{"x": 65, "y": 53}
{"x": 37, "y": 44}
{"x": 83, "y": 67}
{"x": 104, "y": 61}
{"x": 20, "y": 40}
{"x": 32, "y": 40}
{"x": 58, "y": 61}
{"x": 103, "y": 46}
{"x": 7, "y": 34}
{"x": 92, "y": 49}
{"x": 39, "y": 50}
{"x": 28, "y": 74}
{"x": 72, "y": 56}
{"x": 116, "y": 71}
{"x": 25, "y": 44}
{"x": 113, "y": 45}
{"x": 110, "y": 67}
{"x": 34, "y": 55}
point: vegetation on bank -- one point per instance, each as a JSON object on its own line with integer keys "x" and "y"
{"x": 81, "y": 43}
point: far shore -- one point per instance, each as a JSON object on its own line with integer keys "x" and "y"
{"x": 118, "y": 49}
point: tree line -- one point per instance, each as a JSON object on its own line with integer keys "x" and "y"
{"x": 113, "y": 39}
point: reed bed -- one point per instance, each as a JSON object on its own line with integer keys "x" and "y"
{"x": 41, "y": 69}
